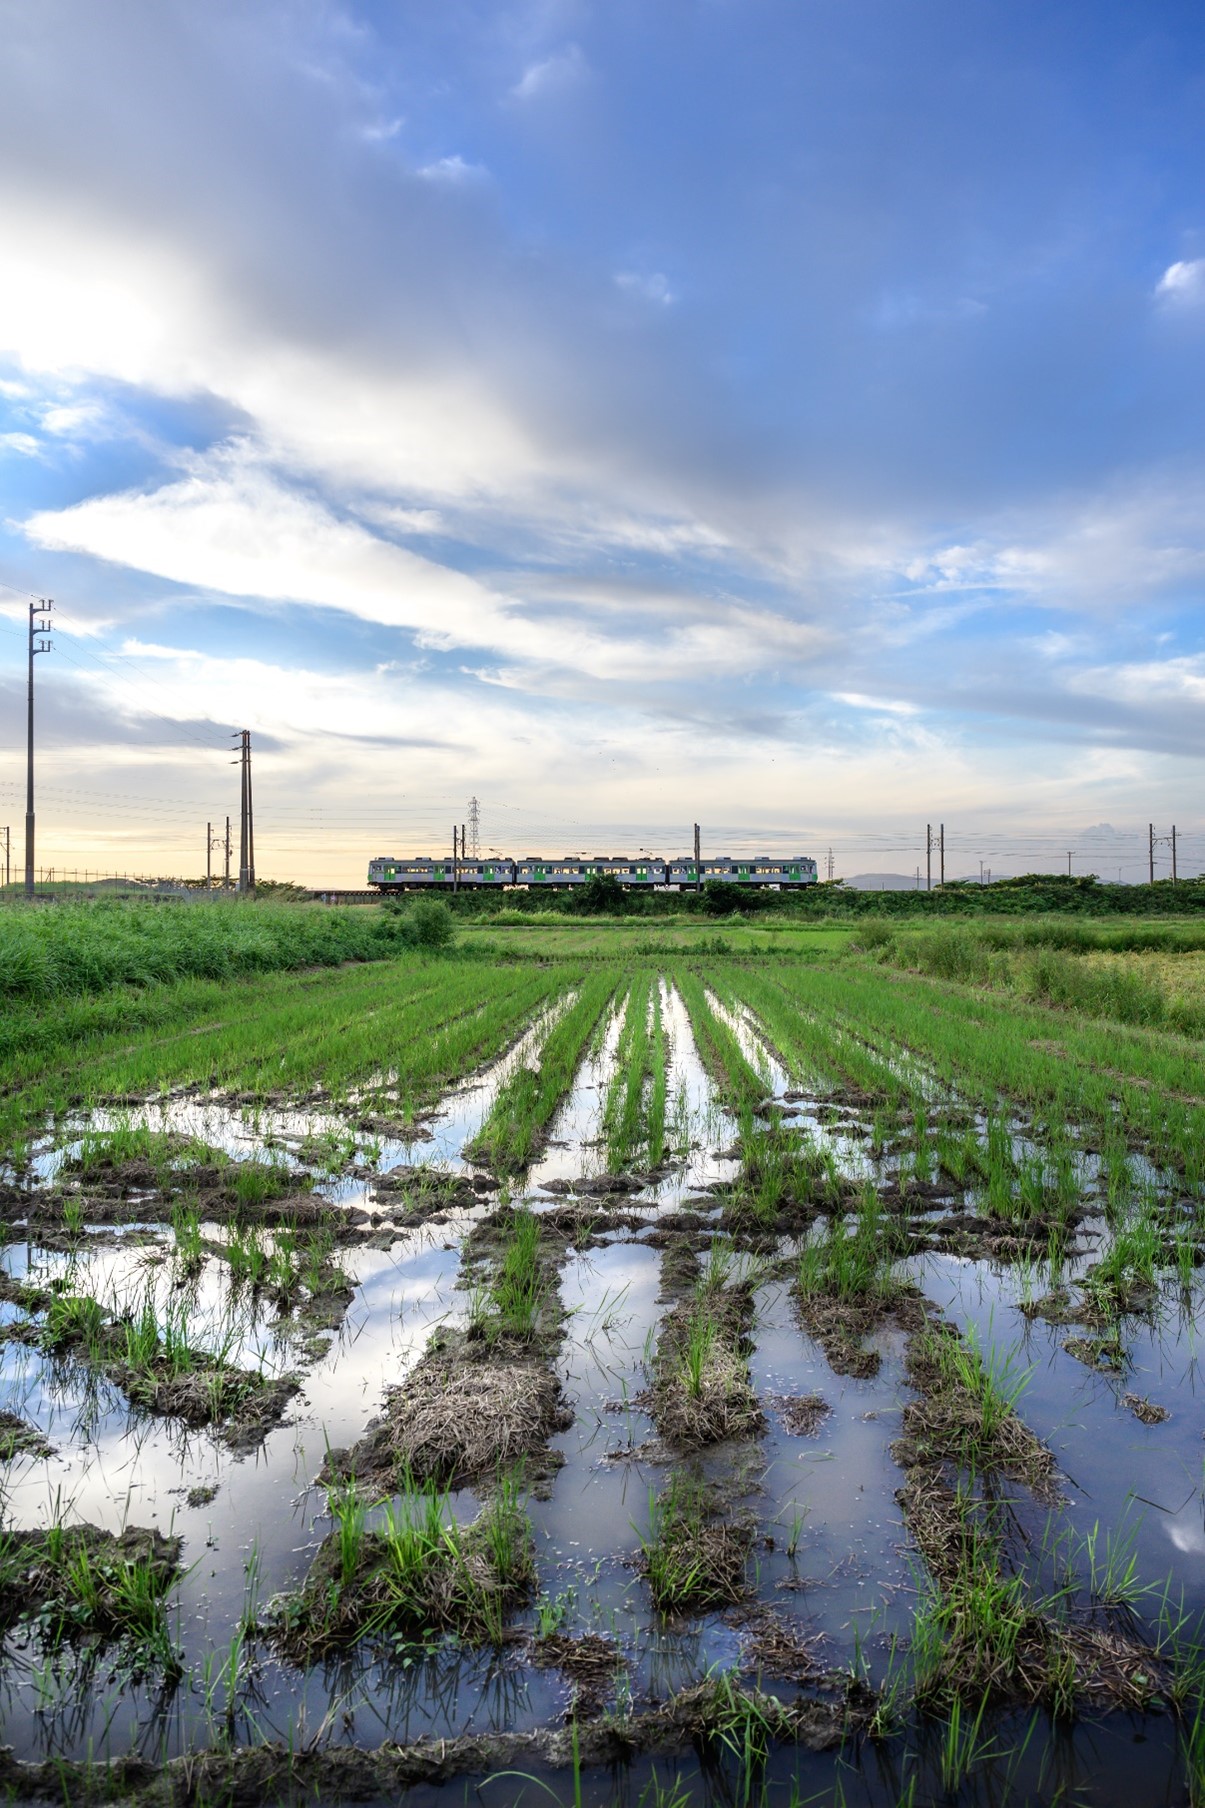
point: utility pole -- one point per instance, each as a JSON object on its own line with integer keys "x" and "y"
{"x": 246, "y": 844}
{"x": 226, "y": 881}
{"x": 917, "y": 886}
{"x": 37, "y": 644}
{"x": 463, "y": 844}
{"x": 928, "y": 856}
{"x": 1150, "y": 840}
{"x": 474, "y": 828}
{"x": 698, "y": 865}
{"x": 208, "y": 855}
{"x": 1068, "y": 862}
{"x": 943, "y": 853}
{"x": 455, "y": 865}
{"x": 1173, "y": 853}
{"x": 8, "y": 857}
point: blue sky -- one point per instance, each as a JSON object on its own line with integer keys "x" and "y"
{"x": 782, "y": 413}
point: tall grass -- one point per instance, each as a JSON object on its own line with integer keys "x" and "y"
{"x": 60, "y": 949}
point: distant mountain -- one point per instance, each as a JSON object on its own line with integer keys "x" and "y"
{"x": 884, "y": 882}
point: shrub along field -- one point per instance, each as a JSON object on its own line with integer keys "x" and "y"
{"x": 690, "y": 1360}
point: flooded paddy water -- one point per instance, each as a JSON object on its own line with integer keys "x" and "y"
{"x": 840, "y": 1442}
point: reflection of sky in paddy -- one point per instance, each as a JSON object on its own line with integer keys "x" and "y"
{"x": 1141, "y": 1480}
{"x": 849, "y": 1578}
{"x": 268, "y": 1132}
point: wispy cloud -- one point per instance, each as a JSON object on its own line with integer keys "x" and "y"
{"x": 564, "y": 69}
{"x": 1183, "y": 283}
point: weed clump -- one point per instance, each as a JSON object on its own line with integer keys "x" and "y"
{"x": 701, "y": 1393}
{"x": 416, "y": 1576}
{"x": 78, "y": 1582}
{"x": 694, "y": 1559}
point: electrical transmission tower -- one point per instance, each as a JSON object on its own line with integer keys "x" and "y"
{"x": 246, "y": 851}
{"x": 474, "y": 829}
{"x": 38, "y": 643}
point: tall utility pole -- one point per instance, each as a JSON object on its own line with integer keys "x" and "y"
{"x": 928, "y": 856}
{"x": 474, "y": 829}
{"x": 8, "y": 856}
{"x": 698, "y": 864}
{"x": 943, "y": 853}
{"x": 246, "y": 845}
{"x": 1068, "y": 862}
{"x": 463, "y": 844}
{"x": 1150, "y": 844}
{"x": 208, "y": 855}
{"x": 227, "y": 876}
{"x": 455, "y": 863}
{"x": 1173, "y": 853}
{"x": 37, "y": 644}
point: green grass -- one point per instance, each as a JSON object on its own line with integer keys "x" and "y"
{"x": 61, "y": 950}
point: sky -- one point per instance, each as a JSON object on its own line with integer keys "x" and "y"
{"x": 787, "y": 415}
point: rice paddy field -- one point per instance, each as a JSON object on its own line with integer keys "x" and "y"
{"x": 659, "y": 1363}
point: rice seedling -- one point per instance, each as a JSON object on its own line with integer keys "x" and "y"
{"x": 416, "y": 1575}
{"x": 509, "y": 1303}
{"x": 513, "y": 1130}
{"x": 850, "y": 1262}
{"x": 692, "y": 1558}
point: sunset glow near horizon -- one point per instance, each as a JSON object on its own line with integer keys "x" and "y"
{"x": 785, "y": 415}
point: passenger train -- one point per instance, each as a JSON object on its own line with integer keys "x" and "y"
{"x": 642, "y": 872}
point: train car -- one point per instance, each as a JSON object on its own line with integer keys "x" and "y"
{"x": 782, "y": 873}
{"x": 640, "y": 872}
{"x": 423, "y": 873}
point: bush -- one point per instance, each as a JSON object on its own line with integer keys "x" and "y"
{"x": 602, "y": 894}
{"x": 430, "y": 924}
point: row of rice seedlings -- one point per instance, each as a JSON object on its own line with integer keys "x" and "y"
{"x": 718, "y": 1047}
{"x": 509, "y": 1304}
{"x": 515, "y": 1127}
{"x": 415, "y": 1575}
{"x": 426, "y": 1024}
{"x": 1139, "y": 1084}
{"x": 818, "y": 1051}
{"x": 633, "y": 1100}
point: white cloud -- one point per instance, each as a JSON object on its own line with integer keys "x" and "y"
{"x": 892, "y": 706}
{"x": 22, "y": 443}
{"x": 563, "y": 69}
{"x": 453, "y": 169}
{"x": 1183, "y": 282}
{"x": 653, "y": 287}
{"x": 231, "y": 526}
